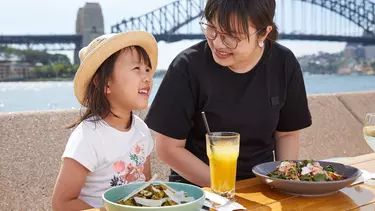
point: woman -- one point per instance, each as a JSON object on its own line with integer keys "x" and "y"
{"x": 243, "y": 80}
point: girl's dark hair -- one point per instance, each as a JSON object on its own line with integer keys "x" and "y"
{"x": 97, "y": 105}
{"x": 260, "y": 12}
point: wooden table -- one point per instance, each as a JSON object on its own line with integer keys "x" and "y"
{"x": 255, "y": 195}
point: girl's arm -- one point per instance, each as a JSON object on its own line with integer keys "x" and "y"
{"x": 147, "y": 169}
{"x": 68, "y": 186}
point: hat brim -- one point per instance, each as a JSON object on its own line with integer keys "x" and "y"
{"x": 105, "y": 49}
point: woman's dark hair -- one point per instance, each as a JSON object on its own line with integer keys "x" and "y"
{"x": 260, "y": 12}
{"x": 97, "y": 104}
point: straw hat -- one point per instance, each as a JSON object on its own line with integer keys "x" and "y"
{"x": 102, "y": 47}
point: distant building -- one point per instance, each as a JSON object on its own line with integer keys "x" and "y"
{"x": 349, "y": 50}
{"x": 369, "y": 50}
{"x": 354, "y": 51}
{"x": 13, "y": 70}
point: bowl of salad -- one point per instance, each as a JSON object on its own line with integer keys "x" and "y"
{"x": 154, "y": 195}
{"x": 306, "y": 177}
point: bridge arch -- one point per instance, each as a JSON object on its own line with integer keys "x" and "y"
{"x": 167, "y": 20}
{"x": 181, "y": 12}
{"x": 360, "y": 12}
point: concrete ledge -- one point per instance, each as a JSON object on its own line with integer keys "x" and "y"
{"x": 335, "y": 131}
{"x": 358, "y": 103}
{"x": 32, "y": 144}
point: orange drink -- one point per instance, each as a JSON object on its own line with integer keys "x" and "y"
{"x": 223, "y": 153}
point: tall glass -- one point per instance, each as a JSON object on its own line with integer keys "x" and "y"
{"x": 369, "y": 130}
{"x": 223, "y": 154}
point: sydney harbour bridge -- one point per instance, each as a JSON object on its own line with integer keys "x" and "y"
{"x": 351, "y": 21}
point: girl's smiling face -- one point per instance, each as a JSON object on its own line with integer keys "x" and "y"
{"x": 130, "y": 84}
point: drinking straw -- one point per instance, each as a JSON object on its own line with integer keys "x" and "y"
{"x": 207, "y": 128}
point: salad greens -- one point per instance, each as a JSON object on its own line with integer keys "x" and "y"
{"x": 306, "y": 170}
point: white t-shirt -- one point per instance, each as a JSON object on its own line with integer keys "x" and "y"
{"x": 113, "y": 157}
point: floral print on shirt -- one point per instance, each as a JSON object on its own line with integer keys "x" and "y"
{"x": 130, "y": 172}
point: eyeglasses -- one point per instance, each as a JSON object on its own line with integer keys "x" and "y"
{"x": 229, "y": 41}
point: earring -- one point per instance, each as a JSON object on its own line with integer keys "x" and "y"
{"x": 261, "y": 44}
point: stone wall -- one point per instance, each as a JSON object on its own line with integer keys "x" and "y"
{"x": 32, "y": 144}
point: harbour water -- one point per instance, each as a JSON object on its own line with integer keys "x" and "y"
{"x": 37, "y": 96}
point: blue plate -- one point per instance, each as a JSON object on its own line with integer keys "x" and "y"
{"x": 112, "y": 195}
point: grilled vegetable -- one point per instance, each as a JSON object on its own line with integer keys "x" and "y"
{"x": 156, "y": 196}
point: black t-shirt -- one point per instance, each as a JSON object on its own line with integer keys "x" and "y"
{"x": 271, "y": 97}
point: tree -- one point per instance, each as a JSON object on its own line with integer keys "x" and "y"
{"x": 34, "y": 57}
{"x": 58, "y": 69}
{"x": 44, "y": 71}
{"x": 46, "y": 65}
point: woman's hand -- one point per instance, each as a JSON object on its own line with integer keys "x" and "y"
{"x": 173, "y": 152}
{"x": 68, "y": 186}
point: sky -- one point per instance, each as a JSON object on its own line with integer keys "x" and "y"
{"x": 59, "y": 16}
{"x": 21, "y": 17}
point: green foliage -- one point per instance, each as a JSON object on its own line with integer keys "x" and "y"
{"x": 45, "y": 65}
{"x": 34, "y": 57}
{"x": 55, "y": 71}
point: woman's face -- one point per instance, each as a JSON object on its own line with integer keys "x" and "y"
{"x": 237, "y": 49}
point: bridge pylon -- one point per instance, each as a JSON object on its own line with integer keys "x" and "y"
{"x": 89, "y": 24}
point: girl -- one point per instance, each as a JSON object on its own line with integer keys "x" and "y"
{"x": 110, "y": 146}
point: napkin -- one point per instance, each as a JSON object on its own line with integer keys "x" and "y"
{"x": 366, "y": 177}
{"x": 221, "y": 200}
